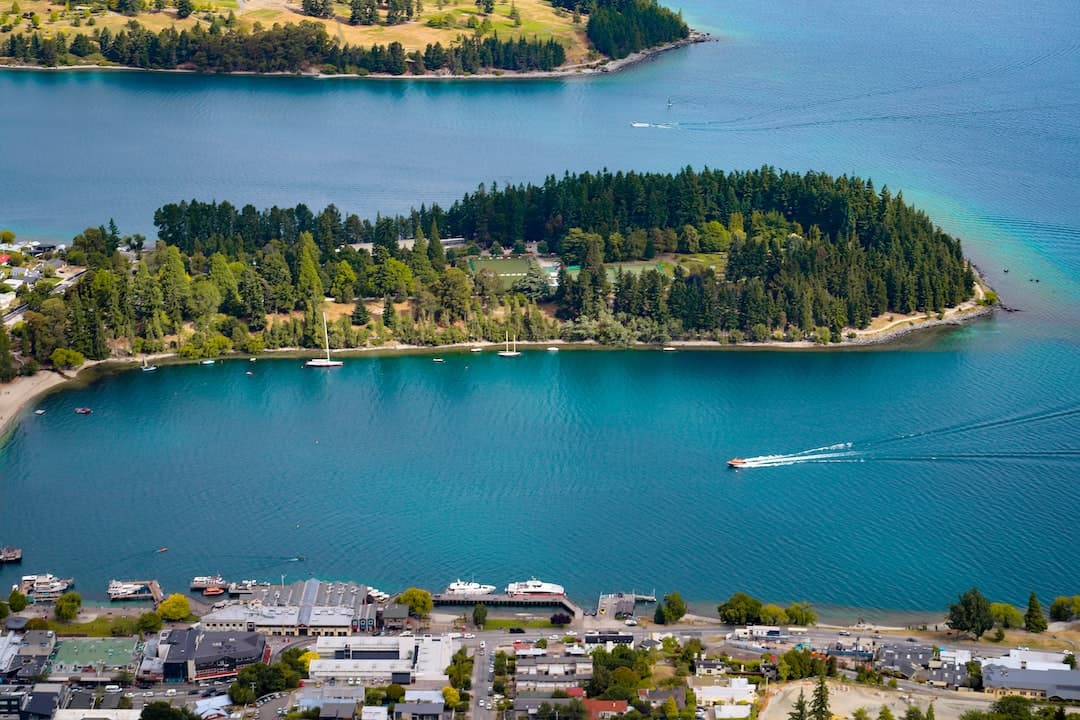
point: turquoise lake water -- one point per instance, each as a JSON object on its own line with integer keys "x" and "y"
{"x": 599, "y": 470}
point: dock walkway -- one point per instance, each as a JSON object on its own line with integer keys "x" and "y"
{"x": 151, "y": 591}
{"x": 502, "y": 600}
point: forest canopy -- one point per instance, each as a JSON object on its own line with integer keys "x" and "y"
{"x": 615, "y": 257}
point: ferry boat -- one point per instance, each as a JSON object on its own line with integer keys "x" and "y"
{"x": 44, "y": 587}
{"x": 212, "y": 591}
{"x": 83, "y": 411}
{"x": 10, "y": 554}
{"x": 532, "y": 586}
{"x": 119, "y": 590}
{"x": 736, "y": 463}
{"x": 460, "y": 587}
{"x": 202, "y": 582}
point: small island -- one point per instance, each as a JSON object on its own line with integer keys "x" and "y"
{"x": 393, "y": 38}
{"x": 708, "y": 258}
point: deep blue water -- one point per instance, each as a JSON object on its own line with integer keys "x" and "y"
{"x": 600, "y": 470}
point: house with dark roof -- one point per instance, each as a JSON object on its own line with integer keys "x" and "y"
{"x": 656, "y": 698}
{"x": 42, "y": 701}
{"x": 420, "y": 711}
{"x": 525, "y": 707}
{"x": 707, "y": 668}
{"x": 189, "y": 653}
{"x": 394, "y": 616}
{"x": 1059, "y": 685}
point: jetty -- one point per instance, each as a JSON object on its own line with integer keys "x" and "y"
{"x": 148, "y": 590}
{"x": 503, "y": 600}
{"x": 623, "y": 603}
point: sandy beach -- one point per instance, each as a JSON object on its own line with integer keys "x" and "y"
{"x": 20, "y": 392}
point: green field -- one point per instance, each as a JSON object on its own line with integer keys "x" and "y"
{"x": 508, "y": 270}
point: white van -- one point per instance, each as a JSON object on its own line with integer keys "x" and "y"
{"x": 170, "y": 692}
{"x": 112, "y": 688}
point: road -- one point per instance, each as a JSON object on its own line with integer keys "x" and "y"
{"x": 15, "y": 315}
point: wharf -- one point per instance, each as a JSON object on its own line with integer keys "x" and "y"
{"x": 620, "y": 604}
{"x": 501, "y": 600}
{"x": 151, "y": 590}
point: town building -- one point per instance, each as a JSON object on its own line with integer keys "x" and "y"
{"x": 191, "y": 654}
{"x": 526, "y": 707}
{"x": 657, "y": 698}
{"x": 380, "y": 660}
{"x": 303, "y": 609}
{"x": 709, "y": 668}
{"x": 1057, "y": 685}
{"x": 420, "y": 711}
{"x": 738, "y": 690}
{"x": 547, "y": 674}
{"x": 608, "y": 640}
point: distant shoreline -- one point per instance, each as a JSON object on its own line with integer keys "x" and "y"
{"x": 599, "y": 67}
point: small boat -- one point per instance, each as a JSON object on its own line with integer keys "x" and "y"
{"x": 639, "y": 124}
{"x": 251, "y": 359}
{"x": 249, "y": 373}
{"x": 206, "y": 362}
{"x": 39, "y": 411}
{"x": 437, "y": 360}
{"x": 324, "y": 362}
{"x": 553, "y": 349}
{"x": 736, "y": 463}
{"x": 508, "y": 352}
{"x": 669, "y": 348}
{"x": 146, "y": 367}
{"x": 476, "y": 349}
{"x": 162, "y": 549}
{"x": 83, "y": 411}
{"x": 211, "y": 591}
{"x": 10, "y": 554}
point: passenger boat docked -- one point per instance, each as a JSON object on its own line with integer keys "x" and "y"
{"x": 202, "y": 582}
{"x": 736, "y": 463}
{"x": 118, "y": 590}
{"x": 44, "y": 587}
{"x": 532, "y": 586}
{"x": 460, "y": 587}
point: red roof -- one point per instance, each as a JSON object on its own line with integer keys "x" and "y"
{"x": 575, "y": 692}
{"x": 598, "y": 709}
{"x": 4, "y": 259}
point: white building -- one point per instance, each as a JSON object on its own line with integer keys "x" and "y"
{"x": 1022, "y": 659}
{"x": 738, "y": 691}
{"x": 369, "y": 660}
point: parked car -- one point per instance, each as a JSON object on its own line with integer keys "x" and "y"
{"x": 517, "y": 631}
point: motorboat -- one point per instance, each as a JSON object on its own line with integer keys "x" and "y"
{"x": 461, "y": 587}
{"x": 532, "y": 586}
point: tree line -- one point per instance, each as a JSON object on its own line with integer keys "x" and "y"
{"x": 617, "y": 28}
{"x": 225, "y": 47}
{"x": 224, "y": 278}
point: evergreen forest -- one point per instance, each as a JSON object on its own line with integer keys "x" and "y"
{"x": 631, "y": 257}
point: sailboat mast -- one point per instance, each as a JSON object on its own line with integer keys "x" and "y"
{"x": 326, "y": 335}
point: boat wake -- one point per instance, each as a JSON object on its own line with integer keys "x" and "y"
{"x": 840, "y": 452}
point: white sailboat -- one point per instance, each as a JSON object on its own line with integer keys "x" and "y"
{"x": 324, "y": 362}
{"x": 508, "y": 352}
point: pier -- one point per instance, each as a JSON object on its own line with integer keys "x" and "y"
{"x": 622, "y": 604}
{"x": 502, "y": 600}
{"x": 151, "y": 590}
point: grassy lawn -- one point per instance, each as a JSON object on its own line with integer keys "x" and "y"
{"x": 697, "y": 262}
{"x": 538, "y": 18}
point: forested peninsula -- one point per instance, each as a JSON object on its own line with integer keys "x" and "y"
{"x": 473, "y": 44}
{"x": 619, "y": 258}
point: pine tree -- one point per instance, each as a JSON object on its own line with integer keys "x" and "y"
{"x": 360, "y": 314}
{"x": 798, "y": 709}
{"x": 1034, "y": 620}
{"x": 7, "y": 362}
{"x": 930, "y": 711}
{"x": 389, "y": 317}
{"x": 819, "y": 704}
